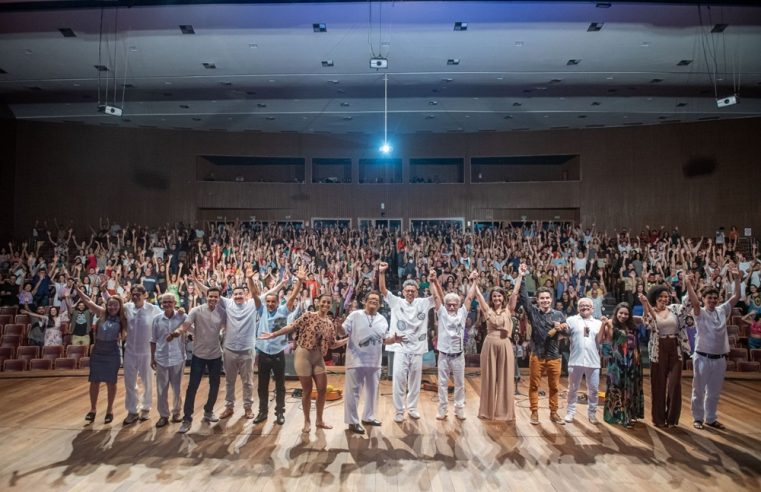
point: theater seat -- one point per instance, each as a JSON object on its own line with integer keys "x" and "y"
{"x": 738, "y": 354}
{"x": 748, "y": 366}
{"x": 23, "y": 319}
{"x": 76, "y": 351}
{"x": 40, "y": 365}
{"x": 65, "y": 363}
{"x": 28, "y": 352}
{"x": 52, "y": 352}
{"x": 14, "y": 365}
{"x": 6, "y": 319}
{"x": 755, "y": 355}
{"x": 9, "y": 310}
{"x": 83, "y": 362}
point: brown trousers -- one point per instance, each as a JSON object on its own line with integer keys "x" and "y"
{"x": 666, "y": 383}
{"x": 538, "y": 367}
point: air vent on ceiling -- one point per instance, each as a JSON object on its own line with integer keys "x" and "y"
{"x": 719, "y": 28}
{"x": 209, "y": 65}
{"x": 261, "y": 105}
{"x": 184, "y": 106}
{"x": 656, "y": 81}
{"x": 517, "y": 104}
{"x": 595, "y": 27}
{"x": 319, "y": 27}
{"x": 595, "y": 103}
{"x": 681, "y": 104}
{"x": 327, "y": 63}
{"x": 573, "y": 61}
{"x": 101, "y": 68}
{"x": 344, "y": 104}
{"x": 460, "y": 26}
{"x": 187, "y": 29}
{"x": 67, "y": 32}
{"x": 453, "y": 61}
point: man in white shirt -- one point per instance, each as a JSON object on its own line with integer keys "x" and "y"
{"x": 709, "y": 361}
{"x": 205, "y": 323}
{"x": 409, "y": 318}
{"x": 137, "y": 354}
{"x": 167, "y": 359}
{"x": 585, "y": 334}
{"x": 367, "y": 331}
{"x": 450, "y": 343}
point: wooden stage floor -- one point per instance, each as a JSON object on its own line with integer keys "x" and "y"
{"x": 47, "y": 446}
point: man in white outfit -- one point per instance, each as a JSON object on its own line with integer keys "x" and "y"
{"x": 585, "y": 334}
{"x": 450, "y": 343}
{"x": 167, "y": 359}
{"x": 137, "y": 354}
{"x": 709, "y": 361}
{"x": 367, "y": 331}
{"x": 409, "y": 319}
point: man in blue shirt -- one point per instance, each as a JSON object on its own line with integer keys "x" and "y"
{"x": 270, "y": 356}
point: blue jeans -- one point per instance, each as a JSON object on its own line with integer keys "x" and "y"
{"x": 197, "y": 366}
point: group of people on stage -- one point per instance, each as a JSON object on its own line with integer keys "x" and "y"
{"x": 255, "y": 325}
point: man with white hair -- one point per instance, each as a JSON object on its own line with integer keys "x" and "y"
{"x": 167, "y": 359}
{"x": 451, "y": 314}
{"x": 585, "y": 333}
{"x": 409, "y": 319}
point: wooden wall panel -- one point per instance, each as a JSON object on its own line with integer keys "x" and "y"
{"x": 629, "y": 176}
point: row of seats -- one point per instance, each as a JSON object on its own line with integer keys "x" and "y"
{"x": 21, "y": 319}
{"x": 27, "y": 353}
{"x": 19, "y": 365}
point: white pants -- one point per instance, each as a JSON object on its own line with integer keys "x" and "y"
{"x": 707, "y": 380}
{"x": 408, "y": 369}
{"x": 357, "y": 378}
{"x": 457, "y": 366}
{"x": 239, "y": 363}
{"x": 575, "y": 374}
{"x": 166, "y": 377}
{"x": 137, "y": 365}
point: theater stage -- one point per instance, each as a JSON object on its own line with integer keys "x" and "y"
{"x": 47, "y": 446}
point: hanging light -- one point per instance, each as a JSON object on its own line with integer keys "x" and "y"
{"x": 386, "y": 147}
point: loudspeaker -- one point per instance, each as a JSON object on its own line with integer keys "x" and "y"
{"x": 290, "y": 368}
{"x": 699, "y": 166}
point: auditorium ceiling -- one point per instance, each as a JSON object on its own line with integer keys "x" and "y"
{"x": 452, "y": 66}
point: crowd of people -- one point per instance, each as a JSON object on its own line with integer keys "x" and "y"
{"x": 460, "y": 292}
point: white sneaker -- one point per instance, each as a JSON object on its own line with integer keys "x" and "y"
{"x": 399, "y": 418}
{"x": 185, "y": 426}
{"x": 210, "y": 417}
{"x": 593, "y": 419}
{"x": 441, "y": 416}
{"x": 414, "y": 414}
{"x": 568, "y": 418}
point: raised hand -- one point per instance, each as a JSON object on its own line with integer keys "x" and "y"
{"x": 382, "y": 266}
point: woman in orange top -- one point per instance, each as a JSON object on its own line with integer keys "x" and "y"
{"x": 315, "y": 336}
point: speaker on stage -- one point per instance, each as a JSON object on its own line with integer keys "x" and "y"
{"x": 290, "y": 368}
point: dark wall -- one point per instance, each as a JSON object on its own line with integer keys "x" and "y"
{"x": 629, "y": 176}
{"x": 7, "y": 174}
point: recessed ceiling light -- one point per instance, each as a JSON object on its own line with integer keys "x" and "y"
{"x": 517, "y": 104}
{"x": 269, "y": 118}
{"x": 681, "y": 105}
{"x": 209, "y": 65}
{"x": 433, "y": 103}
{"x": 261, "y": 105}
{"x": 656, "y": 81}
{"x": 226, "y": 84}
{"x": 334, "y": 81}
{"x": 184, "y": 106}
{"x": 556, "y": 81}
{"x": 719, "y": 28}
{"x": 603, "y": 5}
{"x": 67, "y": 32}
{"x": 507, "y": 117}
{"x": 327, "y": 63}
{"x": 595, "y": 26}
{"x": 582, "y": 116}
{"x": 74, "y": 84}
{"x": 573, "y": 61}
{"x": 101, "y": 68}
{"x": 133, "y": 49}
{"x": 319, "y": 27}
{"x": 453, "y": 61}
{"x": 430, "y": 116}
{"x": 683, "y": 63}
{"x": 187, "y": 29}
{"x": 447, "y": 80}
{"x": 253, "y": 45}
{"x": 609, "y": 78}
{"x": 595, "y": 103}
{"x": 460, "y": 26}
{"x": 347, "y": 118}
{"x": 271, "y": 81}
{"x": 196, "y": 119}
{"x": 344, "y": 105}
{"x": 518, "y": 43}
{"x": 500, "y": 78}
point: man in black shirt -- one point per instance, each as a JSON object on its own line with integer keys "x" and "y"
{"x": 546, "y": 324}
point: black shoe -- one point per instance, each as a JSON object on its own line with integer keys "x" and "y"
{"x": 356, "y": 428}
{"x": 260, "y": 417}
{"x": 280, "y": 419}
{"x": 373, "y": 422}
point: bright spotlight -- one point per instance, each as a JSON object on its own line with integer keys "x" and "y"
{"x": 385, "y": 148}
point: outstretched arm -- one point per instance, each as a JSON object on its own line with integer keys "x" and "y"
{"x": 382, "y": 267}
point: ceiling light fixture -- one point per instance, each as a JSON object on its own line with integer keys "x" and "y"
{"x": 386, "y": 147}
{"x": 595, "y": 27}
{"x": 460, "y": 26}
{"x": 319, "y": 27}
{"x": 187, "y": 29}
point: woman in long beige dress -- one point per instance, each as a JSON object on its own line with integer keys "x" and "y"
{"x": 497, "y": 356}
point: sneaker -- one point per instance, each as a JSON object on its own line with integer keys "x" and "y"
{"x": 399, "y": 418}
{"x": 534, "y": 419}
{"x": 185, "y": 426}
{"x": 568, "y": 418}
{"x": 227, "y": 413}
{"x": 441, "y": 416}
{"x": 554, "y": 417}
{"x": 209, "y": 417}
{"x": 131, "y": 419}
{"x": 176, "y": 418}
{"x": 144, "y": 415}
{"x": 593, "y": 419}
{"x": 162, "y": 422}
{"x": 414, "y": 414}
